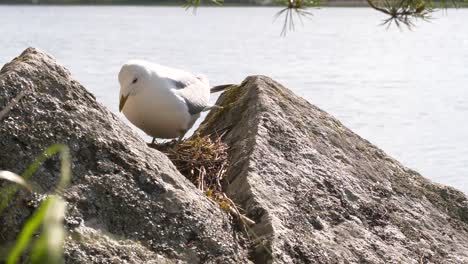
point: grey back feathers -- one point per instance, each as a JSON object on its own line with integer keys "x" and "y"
{"x": 195, "y": 107}
{"x": 194, "y": 92}
{"x": 195, "y": 102}
{"x": 182, "y": 84}
{"x": 177, "y": 84}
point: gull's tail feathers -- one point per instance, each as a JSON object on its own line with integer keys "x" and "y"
{"x": 220, "y": 88}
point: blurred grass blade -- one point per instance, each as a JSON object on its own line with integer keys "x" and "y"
{"x": 49, "y": 246}
{"x": 27, "y": 232}
{"x": 5, "y": 196}
{"x": 7, "y": 192}
{"x": 49, "y": 152}
{"x": 65, "y": 168}
{"x": 13, "y": 177}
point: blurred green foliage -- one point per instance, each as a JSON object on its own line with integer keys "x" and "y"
{"x": 48, "y": 217}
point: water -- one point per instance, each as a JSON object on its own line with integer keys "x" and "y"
{"x": 405, "y": 91}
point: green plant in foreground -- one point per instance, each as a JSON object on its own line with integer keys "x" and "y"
{"x": 48, "y": 246}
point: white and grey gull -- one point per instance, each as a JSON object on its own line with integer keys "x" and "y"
{"x": 163, "y": 102}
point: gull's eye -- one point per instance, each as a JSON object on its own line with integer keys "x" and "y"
{"x": 135, "y": 80}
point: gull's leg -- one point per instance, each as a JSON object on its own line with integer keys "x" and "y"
{"x": 152, "y": 142}
{"x": 181, "y": 137}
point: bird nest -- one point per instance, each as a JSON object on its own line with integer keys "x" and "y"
{"x": 204, "y": 162}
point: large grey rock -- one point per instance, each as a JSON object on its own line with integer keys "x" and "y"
{"x": 321, "y": 194}
{"x": 127, "y": 202}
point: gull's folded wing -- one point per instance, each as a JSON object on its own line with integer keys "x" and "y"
{"x": 195, "y": 93}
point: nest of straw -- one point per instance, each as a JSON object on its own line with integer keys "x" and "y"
{"x": 204, "y": 162}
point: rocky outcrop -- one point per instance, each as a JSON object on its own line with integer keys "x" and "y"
{"x": 321, "y": 194}
{"x": 127, "y": 202}
{"x": 318, "y": 192}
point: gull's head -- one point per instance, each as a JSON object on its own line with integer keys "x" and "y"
{"x": 133, "y": 77}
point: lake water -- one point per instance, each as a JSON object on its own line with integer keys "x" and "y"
{"x": 405, "y": 91}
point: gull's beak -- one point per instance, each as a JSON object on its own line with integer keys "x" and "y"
{"x": 123, "y": 99}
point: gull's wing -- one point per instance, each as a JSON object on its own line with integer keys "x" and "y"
{"x": 195, "y": 93}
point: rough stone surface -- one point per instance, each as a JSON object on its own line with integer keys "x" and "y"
{"x": 318, "y": 192}
{"x": 127, "y": 203}
{"x": 321, "y": 194}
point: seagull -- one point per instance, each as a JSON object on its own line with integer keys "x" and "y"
{"x": 163, "y": 102}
